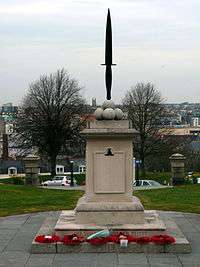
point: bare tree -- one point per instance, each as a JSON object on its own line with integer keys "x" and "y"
{"x": 144, "y": 106}
{"x": 49, "y": 117}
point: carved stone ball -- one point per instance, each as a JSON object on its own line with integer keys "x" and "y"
{"x": 98, "y": 114}
{"x": 108, "y": 104}
{"x": 108, "y": 114}
{"x": 118, "y": 114}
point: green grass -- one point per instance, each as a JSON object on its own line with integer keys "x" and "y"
{"x": 18, "y": 199}
{"x": 7, "y": 181}
{"x": 185, "y": 198}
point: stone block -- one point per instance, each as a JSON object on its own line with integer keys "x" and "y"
{"x": 109, "y": 124}
{"x": 83, "y": 248}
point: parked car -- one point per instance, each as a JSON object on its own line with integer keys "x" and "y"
{"x": 58, "y": 181}
{"x": 147, "y": 183}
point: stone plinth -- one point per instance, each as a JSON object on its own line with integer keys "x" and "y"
{"x": 109, "y": 212}
{"x": 109, "y": 175}
{"x": 31, "y": 169}
{"x": 177, "y": 168}
{"x": 67, "y": 224}
{"x": 153, "y": 225}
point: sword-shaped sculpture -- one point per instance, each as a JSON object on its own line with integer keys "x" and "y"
{"x": 108, "y": 56}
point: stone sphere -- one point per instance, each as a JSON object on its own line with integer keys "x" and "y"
{"x": 108, "y": 104}
{"x": 98, "y": 114}
{"x": 108, "y": 114}
{"x": 118, "y": 114}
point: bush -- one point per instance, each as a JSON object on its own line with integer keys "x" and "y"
{"x": 80, "y": 178}
{"x": 194, "y": 179}
{"x": 161, "y": 177}
{"x": 18, "y": 180}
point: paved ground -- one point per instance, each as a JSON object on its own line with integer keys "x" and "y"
{"x": 17, "y": 232}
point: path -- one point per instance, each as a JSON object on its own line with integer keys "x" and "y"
{"x": 17, "y": 232}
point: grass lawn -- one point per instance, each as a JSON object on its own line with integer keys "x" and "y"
{"x": 18, "y": 199}
{"x": 184, "y": 198}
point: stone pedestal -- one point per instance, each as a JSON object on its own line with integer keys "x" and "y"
{"x": 108, "y": 201}
{"x": 31, "y": 169}
{"x": 109, "y": 176}
{"x": 177, "y": 168}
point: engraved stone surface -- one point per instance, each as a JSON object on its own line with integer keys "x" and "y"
{"x": 111, "y": 177}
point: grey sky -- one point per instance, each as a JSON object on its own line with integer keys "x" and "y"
{"x": 154, "y": 40}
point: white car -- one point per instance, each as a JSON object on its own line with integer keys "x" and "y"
{"x": 147, "y": 183}
{"x": 57, "y": 181}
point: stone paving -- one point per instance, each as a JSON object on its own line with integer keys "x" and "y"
{"x": 17, "y": 233}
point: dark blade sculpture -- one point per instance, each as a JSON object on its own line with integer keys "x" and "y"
{"x": 108, "y": 56}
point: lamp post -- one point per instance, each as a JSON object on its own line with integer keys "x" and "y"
{"x": 137, "y": 165}
{"x": 72, "y": 173}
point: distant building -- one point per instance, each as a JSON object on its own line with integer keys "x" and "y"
{"x": 2, "y": 132}
{"x": 195, "y": 121}
{"x": 94, "y": 102}
{"x": 11, "y": 167}
{"x": 8, "y": 112}
{"x": 8, "y": 108}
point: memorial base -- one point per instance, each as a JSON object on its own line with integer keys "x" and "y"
{"x": 153, "y": 225}
{"x": 109, "y": 212}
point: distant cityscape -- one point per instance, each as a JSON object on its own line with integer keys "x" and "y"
{"x": 182, "y": 119}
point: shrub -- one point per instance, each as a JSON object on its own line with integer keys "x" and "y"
{"x": 188, "y": 181}
{"x": 194, "y": 179}
{"x": 80, "y": 178}
{"x": 18, "y": 180}
{"x": 161, "y": 177}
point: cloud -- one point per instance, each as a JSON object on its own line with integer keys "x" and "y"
{"x": 39, "y": 36}
{"x": 31, "y": 8}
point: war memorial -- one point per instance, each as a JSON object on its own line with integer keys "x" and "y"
{"x": 109, "y": 213}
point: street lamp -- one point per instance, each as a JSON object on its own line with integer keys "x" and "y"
{"x": 137, "y": 165}
{"x": 72, "y": 173}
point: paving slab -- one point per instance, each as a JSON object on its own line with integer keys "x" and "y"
{"x": 185, "y": 225}
{"x": 190, "y": 260}
{"x": 8, "y": 259}
{"x": 42, "y": 260}
{"x": 165, "y": 262}
{"x": 132, "y": 258}
{"x": 7, "y": 234}
{"x": 134, "y": 265}
{"x": 74, "y": 259}
{"x": 23, "y": 257}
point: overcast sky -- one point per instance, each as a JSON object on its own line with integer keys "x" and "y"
{"x": 153, "y": 40}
